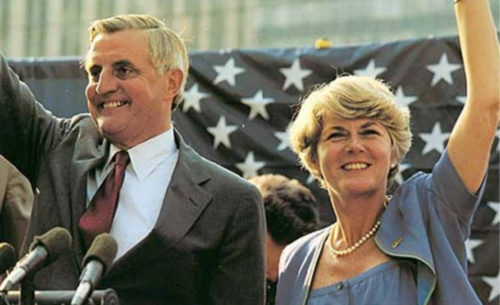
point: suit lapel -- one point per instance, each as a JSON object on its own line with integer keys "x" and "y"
{"x": 87, "y": 157}
{"x": 184, "y": 201}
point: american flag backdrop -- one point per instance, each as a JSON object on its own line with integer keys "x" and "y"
{"x": 238, "y": 104}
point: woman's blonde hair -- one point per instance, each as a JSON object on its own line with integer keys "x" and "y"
{"x": 166, "y": 48}
{"x": 348, "y": 97}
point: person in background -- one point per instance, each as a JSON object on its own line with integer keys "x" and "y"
{"x": 16, "y": 202}
{"x": 291, "y": 212}
{"x": 188, "y": 231}
{"x": 409, "y": 248}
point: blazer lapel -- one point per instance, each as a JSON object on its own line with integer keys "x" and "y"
{"x": 306, "y": 287}
{"x": 184, "y": 201}
{"x": 402, "y": 237}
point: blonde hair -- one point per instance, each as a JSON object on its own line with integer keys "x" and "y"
{"x": 166, "y": 48}
{"x": 348, "y": 97}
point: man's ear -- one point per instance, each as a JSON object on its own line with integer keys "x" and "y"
{"x": 173, "y": 81}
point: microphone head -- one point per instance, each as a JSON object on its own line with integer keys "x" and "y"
{"x": 8, "y": 257}
{"x": 103, "y": 248}
{"x": 56, "y": 241}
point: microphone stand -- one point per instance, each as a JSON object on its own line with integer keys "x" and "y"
{"x": 27, "y": 291}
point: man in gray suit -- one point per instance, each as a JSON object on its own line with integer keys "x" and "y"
{"x": 188, "y": 231}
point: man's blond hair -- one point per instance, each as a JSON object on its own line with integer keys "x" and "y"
{"x": 166, "y": 48}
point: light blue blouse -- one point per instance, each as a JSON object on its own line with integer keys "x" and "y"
{"x": 396, "y": 277}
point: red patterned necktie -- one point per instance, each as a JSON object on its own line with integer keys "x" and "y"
{"x": 99, "y": 215}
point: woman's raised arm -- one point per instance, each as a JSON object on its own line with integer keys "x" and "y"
{"x": 471, "y": 139}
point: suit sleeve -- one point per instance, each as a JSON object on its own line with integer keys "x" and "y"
{"x": 28, "y": 130}
{"x": 240, "y": 273}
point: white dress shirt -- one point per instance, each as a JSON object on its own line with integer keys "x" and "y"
{"x": 141, "y": 197}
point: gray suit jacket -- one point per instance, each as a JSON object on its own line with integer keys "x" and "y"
{"x": 207, "y": 246}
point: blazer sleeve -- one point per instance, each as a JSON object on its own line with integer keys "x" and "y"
{"x": 240, "y": 272}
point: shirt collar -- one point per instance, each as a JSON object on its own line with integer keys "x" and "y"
{"x": 146, "y": 156}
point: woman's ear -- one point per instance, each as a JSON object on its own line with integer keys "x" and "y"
{"x": 314, "y": 163}
{"x": 394, "y": 157}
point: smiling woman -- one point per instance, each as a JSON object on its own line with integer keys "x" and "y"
{"x": 353, "y": 148}
{"x": 347, "y": 98}
{"x": 351, "y": 135}
{"x": 355, "y": 156}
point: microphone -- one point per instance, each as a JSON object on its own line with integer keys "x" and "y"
{"x": 96, "y": 262}
{"x": 8, "y": 257}
{"x": 43, "y": 250}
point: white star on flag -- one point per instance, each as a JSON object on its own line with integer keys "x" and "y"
{"x": 227, "y": 72}
{"x": 403, "y": 100}
{"x": 435, "y": 139}
{"x": 370, "y": 70}
{"x": 462, "y": 99}
{"x": 470, "y": 245}
{"x": 221, "y": 132}
{"x": 284, "y": 138}
{"x": 192, "y": 98}
{"x": 295, "y": 75}
{"x": 250, "y": 167}
{"x": 495, "y": 206}
{"x": 443, "y": 70}
{"x": 494, "y": 283}
{"x": 257, "y": 105}
{"x": 399, "y": 176}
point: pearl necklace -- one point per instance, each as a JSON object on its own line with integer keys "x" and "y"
{"x": 354, "y": 247}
